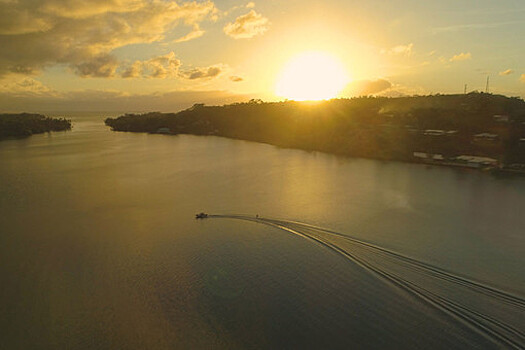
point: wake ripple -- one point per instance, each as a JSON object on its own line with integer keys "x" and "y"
{"x": 492, "y": 312}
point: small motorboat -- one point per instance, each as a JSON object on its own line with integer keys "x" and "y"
{"x": 201, "y": 216}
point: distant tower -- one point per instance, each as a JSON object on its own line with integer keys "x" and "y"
{"x": 465, "y": 91}
{"x": 487, "y": 87}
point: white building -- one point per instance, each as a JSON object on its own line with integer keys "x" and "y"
{"x": 476, "y": 162}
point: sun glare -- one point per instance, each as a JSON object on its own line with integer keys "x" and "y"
{"x": 312, "y": 76}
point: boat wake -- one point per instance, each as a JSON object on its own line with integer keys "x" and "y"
{"x": 492, "y": 312}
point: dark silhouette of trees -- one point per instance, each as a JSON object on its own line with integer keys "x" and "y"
{"x": 26, "y": 124}
{"x": 372, "y": 127}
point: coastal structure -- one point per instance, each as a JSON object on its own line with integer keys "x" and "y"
{"x": 486, "y": 137}
{"x": 163, "y": 131}
{"x": 476, "y": 162}
{"x": 501, "y": 118}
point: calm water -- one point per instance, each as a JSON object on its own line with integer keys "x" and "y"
{"x": 99, "y": 248}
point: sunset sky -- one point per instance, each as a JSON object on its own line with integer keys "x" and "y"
{"x": 133, "y": 55}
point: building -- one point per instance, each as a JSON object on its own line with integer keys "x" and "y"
{"x": 420, "y": 155}
{"x": 430, "y": 132}
{"x": 501, "y": 118}
{"x": 476, "y": 162}
{"x": 485, "y": 136}
{"x": 428, "y": 157}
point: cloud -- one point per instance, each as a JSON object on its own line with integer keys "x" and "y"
{"x": 38, "y": 34}
{"x": 522, "y": 78}
{"x": 194, "y": 34}
{"x": 168, "y": 66}
{"x": 202, "y": 73}
{"x": 461, "y": 57}
{"x": 16, "y": 86}
{"x": 250, "y": 5}
{"x": 161, "y": 66}
{"x": 84, "y": 9}
{"x": 103, "y": 66}
{"x": 506, "y": 72}
{"x": 165, "y": 66}
{"x": 399, "y": 50}
{"x": 133, "y": 71}
{"x": 247, "y": 26}
{"x": 461, "y": 27}
{"x": 367, "y": 87}
{"x": 236, "y": 79}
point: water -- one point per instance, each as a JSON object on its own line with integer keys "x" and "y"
{"x": 99, "y": 248}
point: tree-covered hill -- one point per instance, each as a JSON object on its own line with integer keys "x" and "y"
{"x": 376, "y": 127}
{"x": 26, "y": 124}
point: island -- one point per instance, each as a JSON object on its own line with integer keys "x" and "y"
{"x": 475, "y": 130}
{"x": 27, "y": 124}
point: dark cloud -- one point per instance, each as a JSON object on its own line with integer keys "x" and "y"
{"x": 236, "y": 79}
{"x": 202, "y": 73}
{"x": 98, "y": 67}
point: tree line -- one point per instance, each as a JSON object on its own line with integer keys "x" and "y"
{"x": 26, "y": 124}
{"x": 372, "y": 127}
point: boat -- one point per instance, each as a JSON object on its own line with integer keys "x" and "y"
{"x": 201, "y": 216}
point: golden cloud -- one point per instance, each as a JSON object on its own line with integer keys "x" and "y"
{"x": 194, "y": 34}
{"x": 403, "y": 50}
{"x": 247, "y": 26}
{"x": 83, "y": 34}
{"x": 164, "y": 66}
{"x": 506, "y": 72}
{"x": 202, "y": 73}
{"x": 168, "y": 66}
{"x": 24, "y": 87}
{"x": 461, "y": 57}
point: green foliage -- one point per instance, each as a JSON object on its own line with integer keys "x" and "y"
{"x": 377, "y": 127}
{"x": 25, "y": 124}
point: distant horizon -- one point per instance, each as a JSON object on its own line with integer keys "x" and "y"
{"x": 185, "y": 104}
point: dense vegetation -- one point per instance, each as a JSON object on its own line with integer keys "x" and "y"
{"x": 25, "y": 124}
{"x": 374, "y": 127}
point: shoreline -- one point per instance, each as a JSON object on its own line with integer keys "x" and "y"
{"x": 449, "y": 164}
{"x": 458, "y": 130}
{"x": 22, "y": 125}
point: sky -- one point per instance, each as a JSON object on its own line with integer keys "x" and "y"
{"x": 143, "y": 55}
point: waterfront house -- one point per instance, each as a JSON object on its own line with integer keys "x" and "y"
{"x": 476, "y": 162}
{"x": 485, "y": 136}
{"x": 501, "y": 118}
{"x": 430, "y": 132}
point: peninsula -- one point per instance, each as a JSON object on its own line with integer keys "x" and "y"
{"x": 475, "y": 130}
{"x": 26, "y": 124}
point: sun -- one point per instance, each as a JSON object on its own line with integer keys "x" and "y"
{"x": 312, "y": 76}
